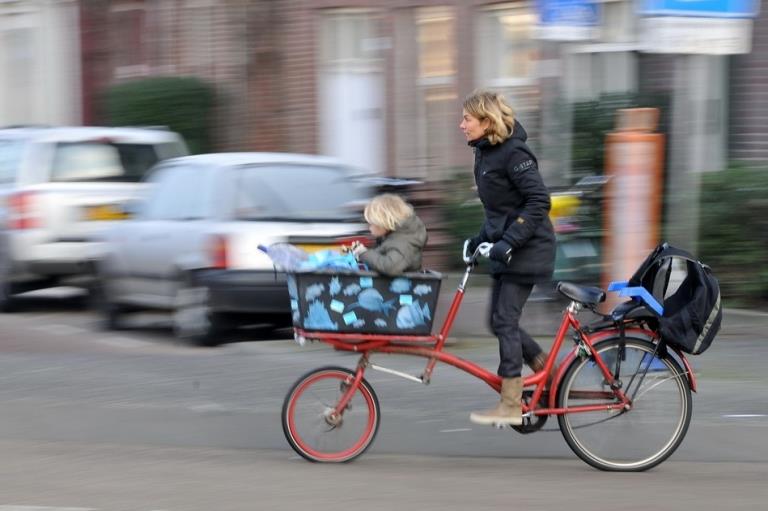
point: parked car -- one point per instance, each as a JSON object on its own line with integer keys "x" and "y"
{"x": 58, "y": 186}
{"x": 192, "y": 247}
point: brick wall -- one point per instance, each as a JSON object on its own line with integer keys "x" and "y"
{"x": 96, "y": 57}
{"x": 296, "y": 126}
{"x": 261, "y": 56}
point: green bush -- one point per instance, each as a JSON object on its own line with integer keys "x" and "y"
{"x": 463, "y": 211}
{"x": 183, "y": 104}
{"x": 734, "y": 232}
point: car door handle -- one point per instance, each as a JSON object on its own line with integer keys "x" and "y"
{"x": 153, "y": 237}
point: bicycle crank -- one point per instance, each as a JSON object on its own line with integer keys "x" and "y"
{"x": 531, "y": 423}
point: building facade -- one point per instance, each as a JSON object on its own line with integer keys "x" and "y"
{"x": 39, "y": 62}
{"x": 376, "y": 83}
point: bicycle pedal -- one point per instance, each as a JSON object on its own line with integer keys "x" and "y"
{"x": 501, "y": 425}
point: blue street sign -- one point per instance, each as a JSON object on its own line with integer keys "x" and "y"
{"x": 701, "y": 8}
{"x": 568, "y": 13}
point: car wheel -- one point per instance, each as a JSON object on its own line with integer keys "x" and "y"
{"x": 6, "y": 297}
{"x": 193, "y": 320}
{"x": 6, "y": 289}
{"x": 103, "y": 301}
{"x": 111, "y": 315}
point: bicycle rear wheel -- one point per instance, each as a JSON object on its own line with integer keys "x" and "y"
{"x": 626, "y": 440}
{"x": 314, "y": 432}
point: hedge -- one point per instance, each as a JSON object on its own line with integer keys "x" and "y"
{"x": 733, "y": 235}
{"x": 183, "y": 104}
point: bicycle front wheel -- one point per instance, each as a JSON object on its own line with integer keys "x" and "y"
{"x": 319, "y": 432}
{"x": 626, "y": 440}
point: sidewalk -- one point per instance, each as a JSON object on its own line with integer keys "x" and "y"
{"x": 542, "y": 316}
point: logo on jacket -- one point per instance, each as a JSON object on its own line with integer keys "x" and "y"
{"x": 523, "y": 166}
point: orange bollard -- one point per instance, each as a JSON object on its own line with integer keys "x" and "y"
{"x": 634, "y": 162}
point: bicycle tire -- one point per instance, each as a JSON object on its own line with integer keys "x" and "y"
{"x": 631, "y": 440}
{"x": 306, "y": 421}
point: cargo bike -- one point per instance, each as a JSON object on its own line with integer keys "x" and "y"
{"x": 621, "y": 396}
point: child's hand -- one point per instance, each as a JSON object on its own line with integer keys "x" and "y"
{"x": 358, "y": 248}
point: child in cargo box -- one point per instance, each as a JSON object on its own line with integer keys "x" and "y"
{"x": 400, "y": 236}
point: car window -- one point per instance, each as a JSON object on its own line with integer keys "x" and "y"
{"x": 102, "y": 161}
{"x": 177, "y": 193}
{"x": 10, "y": 158}
{"x": 296, "y": 192}
{"x": 169, "y": 150}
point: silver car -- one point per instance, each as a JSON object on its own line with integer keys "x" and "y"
{"x": 192, "y": 246}
{"x": 58, "y": 187}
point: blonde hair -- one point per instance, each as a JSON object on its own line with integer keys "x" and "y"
{"x": 387, "y": 211}
{"x": 485, "y": 104}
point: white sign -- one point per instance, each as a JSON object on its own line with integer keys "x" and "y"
{"x": 566, "y": 33}
{"x": 702, "y": 36}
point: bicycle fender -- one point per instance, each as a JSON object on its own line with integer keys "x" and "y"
{"x": 688, "y": 369}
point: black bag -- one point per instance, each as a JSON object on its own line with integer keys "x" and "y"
{"x": 689, "y": 293}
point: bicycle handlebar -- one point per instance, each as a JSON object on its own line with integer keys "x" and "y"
{"x": 483, "y": 249}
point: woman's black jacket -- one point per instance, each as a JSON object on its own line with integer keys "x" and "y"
{"x": 516, "y": 204}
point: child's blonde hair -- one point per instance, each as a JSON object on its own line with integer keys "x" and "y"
{"x": 387, "y": 211}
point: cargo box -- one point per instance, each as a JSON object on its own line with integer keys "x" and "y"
{"x": 364, "y": 302}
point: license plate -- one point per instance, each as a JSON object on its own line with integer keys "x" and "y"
{"x": 104, "y": 213}
{"x": 315, "y": 247}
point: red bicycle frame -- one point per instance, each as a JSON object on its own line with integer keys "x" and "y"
{"x": 431, "y": 348}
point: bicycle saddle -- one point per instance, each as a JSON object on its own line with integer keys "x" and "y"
{"x": 582, "y": 294}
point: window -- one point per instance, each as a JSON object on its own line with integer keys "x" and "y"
{"x": 507, "y": 56}
{"x": 350, "y": 41}
{"x": 197, "y": 25}
{"x": 296, "y": 192}
{"x": 507, "y": 50}
{"x": 436, "y": 79}
{"x": 178, "y": 193}
{"x": 127, "y": 39}
{"x": 85, "y": 162}
{"x": 170, "y": 150}
{"x": 98, "y": 161}
{"x": 425, "y": 96}
{"x": 351, "y": 88}
{"x": 437, "y": 59}
{"x": 10, "y": 158}
{"x": 17, "y": 101}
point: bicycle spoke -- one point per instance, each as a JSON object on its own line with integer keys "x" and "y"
{"x": 649, "y": 388}
{"x": 312, "y": 426}
{"x": 598, "y": 421}
{"x": 625, "y": 439}
{"x": 320, "y": 400}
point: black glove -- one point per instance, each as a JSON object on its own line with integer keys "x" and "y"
{"x": 501, "y": 252}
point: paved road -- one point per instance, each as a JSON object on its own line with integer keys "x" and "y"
{"x": 134, "y": 421}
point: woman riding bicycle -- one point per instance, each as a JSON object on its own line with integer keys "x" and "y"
{"x": 516, "y": 204}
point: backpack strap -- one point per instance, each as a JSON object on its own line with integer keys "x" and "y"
{"x": 621, "y": 355}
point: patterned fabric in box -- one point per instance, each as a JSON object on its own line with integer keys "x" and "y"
{"x": 364, "y": 302}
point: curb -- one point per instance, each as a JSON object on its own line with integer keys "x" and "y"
{"x": 749, "y": 313}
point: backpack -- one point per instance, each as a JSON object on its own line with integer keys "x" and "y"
{"x": 689, "y": 293}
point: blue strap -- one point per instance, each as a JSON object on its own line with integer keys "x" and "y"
{"x": 617, "y": 285}
{"x": 644, "y": 295}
